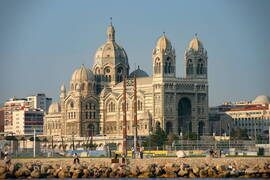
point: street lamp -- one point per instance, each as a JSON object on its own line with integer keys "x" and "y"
{"x": 73, "y": 141}
{"x": 34, "y": 150}
{"x": 181, "y": 138}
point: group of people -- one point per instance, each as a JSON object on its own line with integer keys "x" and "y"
{"x": 139, "y": 149}
{"x": 214, "y": 153}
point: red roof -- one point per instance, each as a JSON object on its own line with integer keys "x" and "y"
{"x": 249, "y": 109}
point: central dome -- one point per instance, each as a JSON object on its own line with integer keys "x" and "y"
{"x": 110, "y": 52}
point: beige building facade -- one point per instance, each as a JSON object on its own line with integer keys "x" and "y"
{"x": 254, "y": 116}
{"x": 93, "y": 104}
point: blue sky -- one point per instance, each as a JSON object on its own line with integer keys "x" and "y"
{"x": 43, "y": 42}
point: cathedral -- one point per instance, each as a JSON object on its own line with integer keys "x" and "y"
{"x": 92, "y": 105}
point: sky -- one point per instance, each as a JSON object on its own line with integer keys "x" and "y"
{"x": 43, "y": 42}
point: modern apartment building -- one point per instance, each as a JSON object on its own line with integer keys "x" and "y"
{"x": 26, "y": 120}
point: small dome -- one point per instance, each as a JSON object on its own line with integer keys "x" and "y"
{"x": 83, "y": 74}
{"x": 54, "y": 108}
{"x": 163, "y": 43}
{"x": 262, "y": 99}
{"x": 139, "y": 73}
{"x": 195, "y": 44}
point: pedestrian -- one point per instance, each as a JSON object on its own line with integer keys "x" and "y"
{"x": 211, "y": 153}
{"x": 76, "y": 159}
{"x": 2, "y": 155}
{"x": 133, "y": 152}
{"x": 141, "y": 152}
{"x": 7, "y": 159}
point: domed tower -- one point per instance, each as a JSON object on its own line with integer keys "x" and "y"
{"x": 83, "y": 82}
{"x": 163, "y": 58}
{"x": 196, "y": 59}
{"x": 111, "y": 62}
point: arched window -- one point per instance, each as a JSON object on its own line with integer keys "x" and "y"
{"x": 139, "y": 105}
{"x": 157, "y": 66}
{"x": 120, "y": 74}
{"x": 82, "y": 87}
{"x": 71, "y": 105}
{"x": 111, "y": 107}
{"x": 166, "y": 68}
{"x": 168, "y": 65}
{"x": 110, "y": 78}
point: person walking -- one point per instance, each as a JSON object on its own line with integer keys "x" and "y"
{"x": 7, "y": 159}
{"x": 76, "y": 159}
{"x": 133, "y": 152}
{"x": 141, "y": 152}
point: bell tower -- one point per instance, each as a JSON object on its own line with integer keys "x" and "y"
{"x": 196, "y": 59}
{"x": 163, "y": 58}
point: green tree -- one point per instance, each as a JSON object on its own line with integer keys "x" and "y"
{"x": 171, "y": 138}
{"x": 190, "y": 136}
{"x": 158, "y": 138}
{"x": 239, "y": 134}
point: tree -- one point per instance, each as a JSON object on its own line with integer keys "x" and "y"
{"x": 190, "y": 136}
{"x": 171, "y": 138}
{"x": 158, "y": 138}
{"x": 239, "y": 134}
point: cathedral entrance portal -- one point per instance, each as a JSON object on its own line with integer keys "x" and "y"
{"x": 184, "y": 116}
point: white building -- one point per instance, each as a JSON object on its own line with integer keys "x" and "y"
{"x": 39, "y": 101}
{"x": 25, "y": 121}
{"x": 35, "y": 102}
{"x": 11, "y": 105}
{"x": 253, "y": 116}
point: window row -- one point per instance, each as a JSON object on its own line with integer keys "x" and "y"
{"x": 53, "y": 126}
{"x": 114, "y": 128}
{"x": 83, "y": 86}
{"x": 90, "y": 106}
{"x": 71, "y": 115}
{"x": 111, "y": 107}
{"x": 90, "y": 115}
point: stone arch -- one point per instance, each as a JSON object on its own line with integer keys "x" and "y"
{"x": 184, "y": 115}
